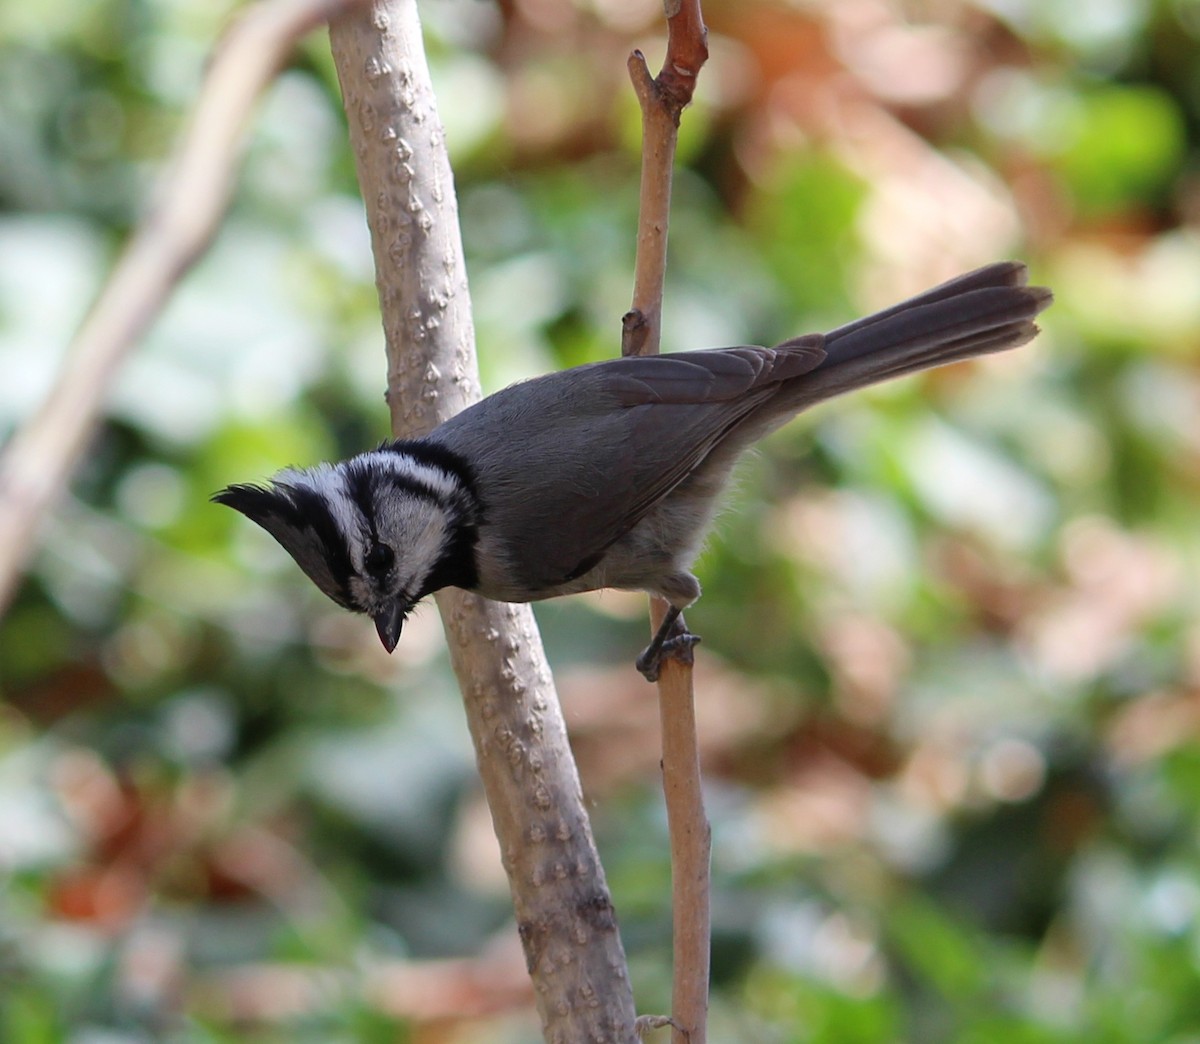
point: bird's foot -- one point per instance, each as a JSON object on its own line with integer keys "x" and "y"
{"x": 673, "y": 641}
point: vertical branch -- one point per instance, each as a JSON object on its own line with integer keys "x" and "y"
{"x": 641, "y": 326}
{"x": 564, "y": 913}
{"x": 662, "y": 100}
{"x": 691, "y": 844}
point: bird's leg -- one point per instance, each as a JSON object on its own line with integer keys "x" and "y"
{"x": 671, "y": 639}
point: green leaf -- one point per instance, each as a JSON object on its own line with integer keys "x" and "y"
{"x": 1122, "y": 148}
{"x": 940, "y": 952}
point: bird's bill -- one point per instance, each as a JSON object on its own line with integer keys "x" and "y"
{"x": 388, "y": 622}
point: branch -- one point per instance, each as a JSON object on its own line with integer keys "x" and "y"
{"x": 38, "y": 461}
{"x": 564, "y": 914}
{"x": 662, "y": 100}
{"x": 687, "y": 51}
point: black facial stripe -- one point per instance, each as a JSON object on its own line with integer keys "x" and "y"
{"x": 358, "y": 484}
{"x": 311, "y": 510}
{"x": 366, "y": 480}
{"x": 295, "y": 515}
{"x": 456, "y": 567}
{"x": 420, "y": 491}
{"x": 434, "y": 454}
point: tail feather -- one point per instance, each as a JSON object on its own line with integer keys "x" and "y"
{"x": 1010, "y": 274}
{"x": 988, "y": 310}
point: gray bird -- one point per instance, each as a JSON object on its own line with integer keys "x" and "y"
{"x": 604, "y": 475}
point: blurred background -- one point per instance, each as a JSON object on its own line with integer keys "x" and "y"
{"x": 949, "y": 690}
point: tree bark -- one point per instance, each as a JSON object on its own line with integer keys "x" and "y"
{"x": 564, "y": 913}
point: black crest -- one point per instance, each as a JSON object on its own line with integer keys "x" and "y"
{"x": 301, "y": 520}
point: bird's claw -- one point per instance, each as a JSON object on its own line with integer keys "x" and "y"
{"x": 678, "y": 647}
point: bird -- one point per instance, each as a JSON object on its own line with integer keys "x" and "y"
{"x": 604, "y": 475}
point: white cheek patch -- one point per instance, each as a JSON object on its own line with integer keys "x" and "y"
{"x": 426, "y": 532}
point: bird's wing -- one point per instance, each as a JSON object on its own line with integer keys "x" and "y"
{"x": 568, "y": 463}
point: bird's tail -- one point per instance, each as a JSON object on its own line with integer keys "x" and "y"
{"x": 987, "y": 310}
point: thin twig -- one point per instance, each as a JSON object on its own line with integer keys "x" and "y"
{"x": 662, "y": 99}
{"x": 564, "y": 913}
{"x": 38, "y": 461}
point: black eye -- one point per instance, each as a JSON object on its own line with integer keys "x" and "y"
{"x": 379, "y": 560}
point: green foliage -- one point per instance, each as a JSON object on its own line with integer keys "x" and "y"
{"x": 1123, "y": 149}
{"x": 809, "y": 248}
{"x": 31, "y": 1017}
{"x": 939, "y": 954}
{"x": 808, "y": 1012}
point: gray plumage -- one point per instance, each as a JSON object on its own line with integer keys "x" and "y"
{"x": 605, "y": 475}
